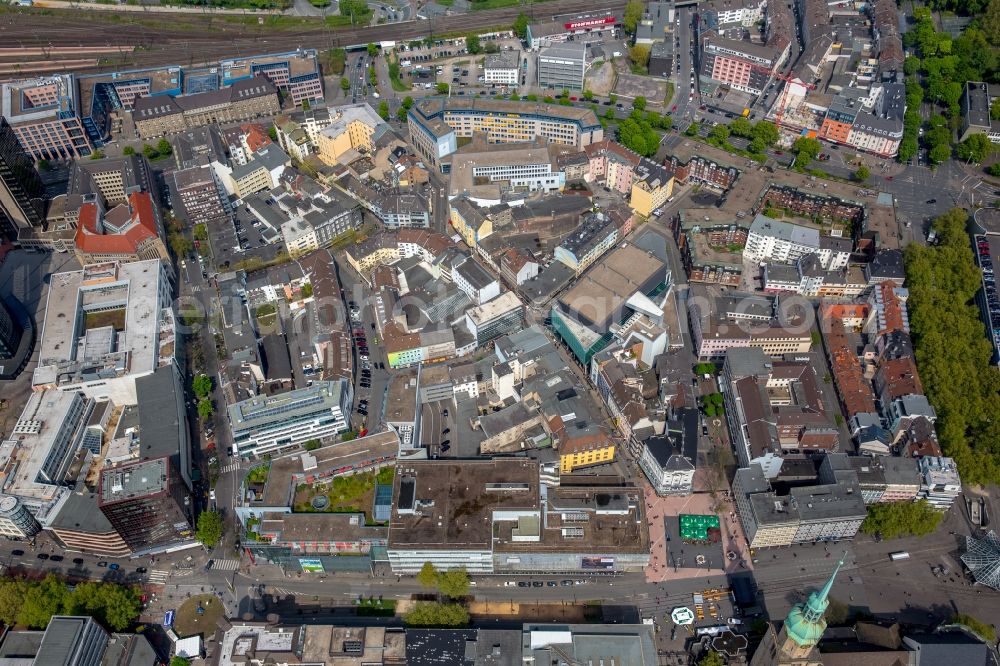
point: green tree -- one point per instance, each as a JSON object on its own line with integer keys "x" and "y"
{"x": 200, "y": 232}
{"x": 383, "y": 109}
{"x": 634, "y": 9}
{"x": 435, "y": 614}
{"x": 740, "y": 126}
{"x": 43, "y": 165}
{"x": 97, "y": 155}
{"x": 209, "y": 528}
{"x": 163, "y": 147}
{"x": 939, "y": 153}
{"x": 514, "y": 97}
{"x": 896, "y": 519}
{"x": 312, "y": 445}
{"x": 639, "y": 103}
{"x": 335, "y": 60}
{"x": 719, "y": 134}
{"x": 521, "y": 26}
{"x": 272, "y": 133}
{"x": 442, "y": 88}
{"x": 44, "y": 600}
{"x": 862, "y": 173}
{"x": 205, "y": 409}
{"x": 995, "y": 109}
{"x": 149, "y": 151}
{"x": 202, "y": 386}
{"x": 612, "y": 98}
{"x": 766, "y": 132}
{"x": 692, "y": 129}
{"x": 428, "y": 575}
{"x": 712, "y": 658}
{"x": 179, "y": 661}
{"x": 994, "y": 170}
{"x": 128, "y": 150}
{"x": 407, "y": 102}
{"x": 805, "y": 150}
{"x": 401, "y": 114}
{"x": 453, "y": 583}
{"x": 951, "y": 351}
{"x": 472, "y": 44}
{"x": 372, "y": 50}
{"x": 588, "y": 95}
{"x": 345, "y": 83}
{"x": 116, "y": 606}
{"x": 639, "y": 55}
{"x": 12, "y": 595}
{"x": 975, "y": 149}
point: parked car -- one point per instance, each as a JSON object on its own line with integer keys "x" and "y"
{"x": 77, "y": 560}
{"x": 102, "y": 564}
{"x": 43, "y": 556}
{"x": 141, "y": 570}
{"x": 445, "y": 447}
{"x": 114, "y": 566}
{"x": 17, "y": 553}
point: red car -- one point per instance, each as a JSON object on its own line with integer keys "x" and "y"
{"x": 572, "y": 99}
{"x": 778, "y": 152}
{"x": 673, "y": 108}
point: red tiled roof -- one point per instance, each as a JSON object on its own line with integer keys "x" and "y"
{"x": 256, "y": 136}
{"x": 142, "y": 228}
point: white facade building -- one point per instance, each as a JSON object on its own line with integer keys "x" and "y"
{"x": 265, "y": 424}
{"x": 778, "y": 241}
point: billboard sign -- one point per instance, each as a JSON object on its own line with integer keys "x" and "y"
{"x": 597, "y": 563}
{"x": 168, "y": 619}
{"x": 311, "y": 565}
{"x": 590, "y": 23}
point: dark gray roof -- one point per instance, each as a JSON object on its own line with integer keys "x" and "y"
{"x": 475, "y": 274}
{"x": 948, "y": 648}
{"x": 59, "y": 644}
{"x": 149, "y": 107}
{"x": 277, "y": 365}
{"x": 440, "y": 647}
{"x": 161, "y": 401}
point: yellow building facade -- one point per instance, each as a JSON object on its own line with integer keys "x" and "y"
{"x": 585, "y": 457}
{"x": 647, "y": 197}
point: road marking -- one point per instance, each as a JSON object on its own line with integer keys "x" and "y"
{"x": 231, "y": 467}
{"x": 158, "y": 577}
{"x": 226, "y": 565}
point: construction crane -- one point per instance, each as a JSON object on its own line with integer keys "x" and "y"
{"x": 788, "y": 80}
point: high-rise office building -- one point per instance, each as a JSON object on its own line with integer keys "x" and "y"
{"x": 147, "y": 503}
{"x": 22, "y": 202}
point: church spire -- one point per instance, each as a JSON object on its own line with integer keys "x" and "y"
{"x": 805, "y": 623}
{"x": 818, "y": 601}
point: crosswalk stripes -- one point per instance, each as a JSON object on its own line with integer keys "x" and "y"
{"x": 279, "y": 592}
{"x": 226, "y": 565}
{"x": 158, "y": 577}
{"x": 231, "y": 467}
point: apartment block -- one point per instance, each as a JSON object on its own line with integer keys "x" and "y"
{"x": 744, "y": 321}
{"x": 500, "y": 316}
{"x": 201, "y": 196}
{"x": 778, "y": 241}
{"x": 351, "y": 127}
